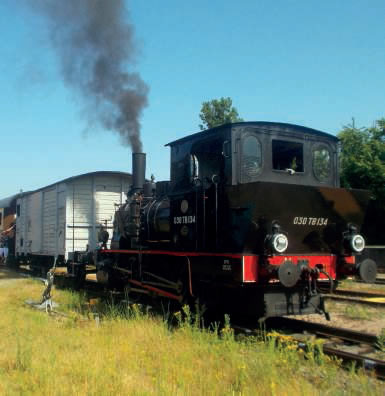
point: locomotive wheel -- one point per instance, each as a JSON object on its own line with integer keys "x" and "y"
{"x": 288, "y": 274}
{"x": 183, "y": 291}
{"x": 368, "y": 270}
{"x": 80, "y": 277}
{"x": 102, "y": 277}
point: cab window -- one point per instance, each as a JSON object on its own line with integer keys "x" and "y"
{"x": 287, "y": 155}
{"x": 194, "y": 167}
{"x": 206, "y": 159}
{"x": 251, "y": 159}
{"x": 321, "y": 163}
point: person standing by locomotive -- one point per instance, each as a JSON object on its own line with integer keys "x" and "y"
{"x": 1, "y": 249}
{"x": 5, "y": 247}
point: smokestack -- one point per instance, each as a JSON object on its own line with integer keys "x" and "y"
{"x": 138, "y": 171}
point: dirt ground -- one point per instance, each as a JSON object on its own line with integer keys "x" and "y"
{"x": 8, "y": 277}
{"x": 374, "y": 324}
{"x": 353, "y": 315}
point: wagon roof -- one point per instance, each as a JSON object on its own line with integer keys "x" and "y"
{"x": 115, "y": 173}
{"x": 261, "y": 125}
{"x": 68, "y": 179}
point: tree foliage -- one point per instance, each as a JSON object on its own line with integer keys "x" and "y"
{"x": 218, "y": 112}
{"x": 363, "y": 158}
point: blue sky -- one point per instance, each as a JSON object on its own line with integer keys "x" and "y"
{"x": 312, "y": 63}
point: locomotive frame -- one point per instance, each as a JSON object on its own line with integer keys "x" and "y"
{"x": 252, "y": 221}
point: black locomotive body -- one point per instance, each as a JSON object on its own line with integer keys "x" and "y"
{"x": 252, "y": 221}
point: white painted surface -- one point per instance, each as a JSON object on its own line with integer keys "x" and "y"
{"x": 59, "y": 219}
{"x": 29, "y": 223}
{"x": 49, "y": 221}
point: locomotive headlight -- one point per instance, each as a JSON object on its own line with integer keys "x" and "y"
{"x": 279, "y": 242}
{"x": 357, "y": 243}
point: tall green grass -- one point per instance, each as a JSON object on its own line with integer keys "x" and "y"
{"x": 128, "y": 351}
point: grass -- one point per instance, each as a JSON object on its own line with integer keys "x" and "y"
{"x": 351, "y": 284}
{"x": 381, "y": 341}
{"x": 354, "y": 311}
{"x": 358, "y": 312}
{"x": 129, "y": 352}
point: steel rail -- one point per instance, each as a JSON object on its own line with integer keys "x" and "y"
{"x": 378, "y": 281}
{"x": 359, "y": 293}
{"x": 367, "y": 363}
{"x": 320, "y": 330}
{"x": 355, "y": 300}
{"x": 325, "y": 330}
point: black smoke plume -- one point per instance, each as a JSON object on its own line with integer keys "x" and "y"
{"x": 96, "y": 51}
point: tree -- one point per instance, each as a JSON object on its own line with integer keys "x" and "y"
{"x": 218, "y": 112}
{"x": 363, "y": 158}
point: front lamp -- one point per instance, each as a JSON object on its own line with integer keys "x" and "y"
{"x": 279, "y": 242}
{"x": 357, "y": 243}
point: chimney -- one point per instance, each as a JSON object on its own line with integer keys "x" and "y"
{"x": 138, "y": 171}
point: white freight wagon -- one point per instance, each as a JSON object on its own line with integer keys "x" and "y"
{"x": 66, "y": 216}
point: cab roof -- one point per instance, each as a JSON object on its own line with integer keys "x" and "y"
{"x": 260, "y": 125}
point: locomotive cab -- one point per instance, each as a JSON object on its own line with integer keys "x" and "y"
{"x": 256, "y": 151}
{"x": 271, "y": 190}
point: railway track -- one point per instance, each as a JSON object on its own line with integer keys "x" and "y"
{"x": 378, "y": 281}
{"x": 359, "y": 293}
{"x": 324, "y": 330}
{"x": 337, "y": 340}
{"x": 374, "y": 299}
{"x": 22, "y": 273}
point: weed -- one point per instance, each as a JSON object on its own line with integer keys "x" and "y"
{"x": 75, "y": 301}
{"x": 188, "y": 319}
{"x": 23, "y": 356}
{"x": 227, "y": 333}
{"x": 380, "y": 344}
{"x": 357, "y": 312}
{"x": 315, "y": 352}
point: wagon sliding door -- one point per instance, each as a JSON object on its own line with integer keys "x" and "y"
{"x": 49, "y": 222}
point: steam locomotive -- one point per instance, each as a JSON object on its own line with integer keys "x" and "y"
{"x": 252, "y": 221}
